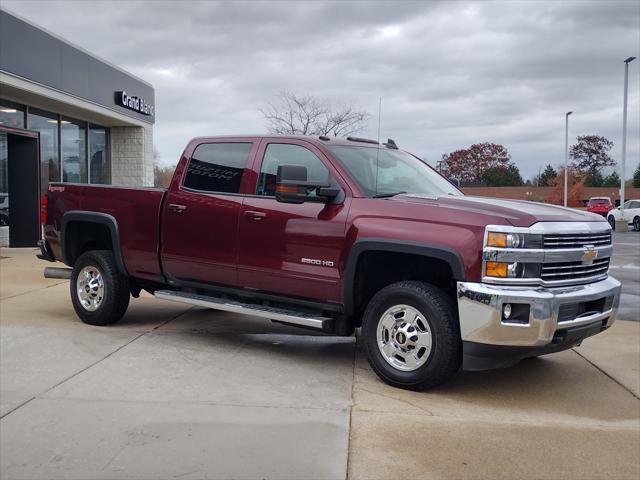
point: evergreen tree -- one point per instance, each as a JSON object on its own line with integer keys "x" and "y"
{"x": 501, "y": 176}
{"x": 593, "y": 178}
{"x": 548, "y": 177}
{"x": 611, "y": 180}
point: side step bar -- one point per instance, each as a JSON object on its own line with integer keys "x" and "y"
{"x": 280, "y": 315}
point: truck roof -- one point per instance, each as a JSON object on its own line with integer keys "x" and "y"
{"x": 322, "y": 140}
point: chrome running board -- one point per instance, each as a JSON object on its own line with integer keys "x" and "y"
{"x": 276, "y": 314}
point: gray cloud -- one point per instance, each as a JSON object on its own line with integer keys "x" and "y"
{"x": 450, "y": 73}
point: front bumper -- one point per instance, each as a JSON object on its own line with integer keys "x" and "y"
{"x": 491, "y": 341}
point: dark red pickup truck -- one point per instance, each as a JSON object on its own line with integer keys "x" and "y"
{"x": 336, "y": 234}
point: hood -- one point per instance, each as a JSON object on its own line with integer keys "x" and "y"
{"x": 520, "y": 213}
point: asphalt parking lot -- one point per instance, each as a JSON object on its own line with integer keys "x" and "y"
{"x": 179, "y": 392}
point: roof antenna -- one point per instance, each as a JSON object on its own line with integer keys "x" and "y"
{"x": 378, "y": 150}
{"x": 379, "y": 115}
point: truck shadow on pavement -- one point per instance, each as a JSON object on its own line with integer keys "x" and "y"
{"x": 555, "y": 387}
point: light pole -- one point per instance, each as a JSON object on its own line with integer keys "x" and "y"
{"x": 566, "y": 154}
{"x": 624, "y": 132}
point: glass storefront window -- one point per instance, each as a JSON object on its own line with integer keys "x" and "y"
{"x": 47, "y": 124}
{"x": 4, "y": 180}
{"x": 11, "y": 114}
{"x": 74, "y": 151}
{"x": 99, "y": 161}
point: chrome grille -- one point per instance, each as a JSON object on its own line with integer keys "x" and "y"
{"x": 577, "y": 240}
{"x": 567, "y": 271}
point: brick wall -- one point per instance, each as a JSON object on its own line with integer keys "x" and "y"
{"x": 132, "y": 156}
{"x": 541, "y": 194}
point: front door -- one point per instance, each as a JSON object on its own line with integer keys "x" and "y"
{"x": 20, "y": 186}
{"x": 200, "y": 216}
{"x": 291, "y": 249}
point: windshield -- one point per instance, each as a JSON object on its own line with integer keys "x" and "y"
{"x": 397, "y": 172}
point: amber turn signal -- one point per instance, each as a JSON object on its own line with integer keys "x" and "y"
{"x": 287, "y": 188}
{"x": 495, "y": 239}
{"x": 496, "y": 269}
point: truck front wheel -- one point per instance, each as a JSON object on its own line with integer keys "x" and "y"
{"x": 411, "y": 335}
{"x": 99, "y": 293}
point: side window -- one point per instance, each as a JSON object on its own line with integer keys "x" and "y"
{"x": 285, "y": 154}
{"x": 217, "y": 167}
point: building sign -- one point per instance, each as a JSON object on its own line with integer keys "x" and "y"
{"x": 137, "y": 104}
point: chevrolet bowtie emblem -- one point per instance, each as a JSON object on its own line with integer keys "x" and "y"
{"x": 589, "y": 255}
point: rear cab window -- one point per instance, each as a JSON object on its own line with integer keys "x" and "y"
{"x": 217, "y": 167}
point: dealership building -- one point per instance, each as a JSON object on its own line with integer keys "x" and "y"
{"x": 65, "y": 116}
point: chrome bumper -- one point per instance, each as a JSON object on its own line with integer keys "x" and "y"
{"x": 480, "y": 308}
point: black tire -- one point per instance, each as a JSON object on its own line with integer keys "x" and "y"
{"x": 612, "y": 221}
{"x": 445, "y": 355}
{"x": 112, "y": 302}
{"x": 636, "y": 224}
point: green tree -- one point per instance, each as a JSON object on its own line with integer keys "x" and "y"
{"x": 611, "y": 180}
{"x": 593, "y": 178}
{"x": 636, "y": 177}
{"x": 547, "y": 178}
{"x": 591, "y": 153}
{"x": 501, "y": 176}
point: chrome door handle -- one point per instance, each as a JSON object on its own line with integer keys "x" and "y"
{"x": 254, "y": 215}
{"x": 174, "y": 207}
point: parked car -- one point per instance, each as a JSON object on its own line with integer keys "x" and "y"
{"x": 331, "y": 235}
{"x": 631, "y": 210}
{"x": 599, "y": 205}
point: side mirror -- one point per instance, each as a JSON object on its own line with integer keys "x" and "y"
{"x": 292, "y": 186}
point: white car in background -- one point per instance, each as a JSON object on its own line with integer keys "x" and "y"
{"x": 631, "y": 210}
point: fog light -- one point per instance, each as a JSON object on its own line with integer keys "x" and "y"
{"x": 506, "y": 311}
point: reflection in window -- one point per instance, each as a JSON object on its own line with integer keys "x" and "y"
{"x": 74, "y": 153}
{"x": 4, "y": 180}
{"x": 47, "y": 124}
{"x": 100, "y": 164}
{"x": 11, "y": 114}
{"x": 217, "y": 167}
{"x": 283, "y": 154}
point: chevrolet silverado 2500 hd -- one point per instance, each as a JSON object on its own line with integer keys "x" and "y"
{"x": 334, "y": 234}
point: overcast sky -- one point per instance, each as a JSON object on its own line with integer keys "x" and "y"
{"x": 450, "y": 73}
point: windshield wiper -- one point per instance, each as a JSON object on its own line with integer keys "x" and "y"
{"x": 387, "y": 195}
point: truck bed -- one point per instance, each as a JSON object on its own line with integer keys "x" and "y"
{"x": 136, "y": 210}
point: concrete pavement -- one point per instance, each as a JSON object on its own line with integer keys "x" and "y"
{"x": 168, "y": 392}
{"x": 625, "y": 266}
{"x": 178, "y": 392}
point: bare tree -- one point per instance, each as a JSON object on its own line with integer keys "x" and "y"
{"x": 306, "y": 115}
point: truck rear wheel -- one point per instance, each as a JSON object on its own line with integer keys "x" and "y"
{"x": 411, "y": 335}
{"x": 99, "y": 293}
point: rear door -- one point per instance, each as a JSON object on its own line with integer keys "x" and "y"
{"x": 632, "y": 211}
{"x": 200, "y": 217}
{"x": 292, "y": 249}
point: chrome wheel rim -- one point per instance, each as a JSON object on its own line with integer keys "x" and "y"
{"x": 90, "y": 288}
{"x": 404, "y": 338}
